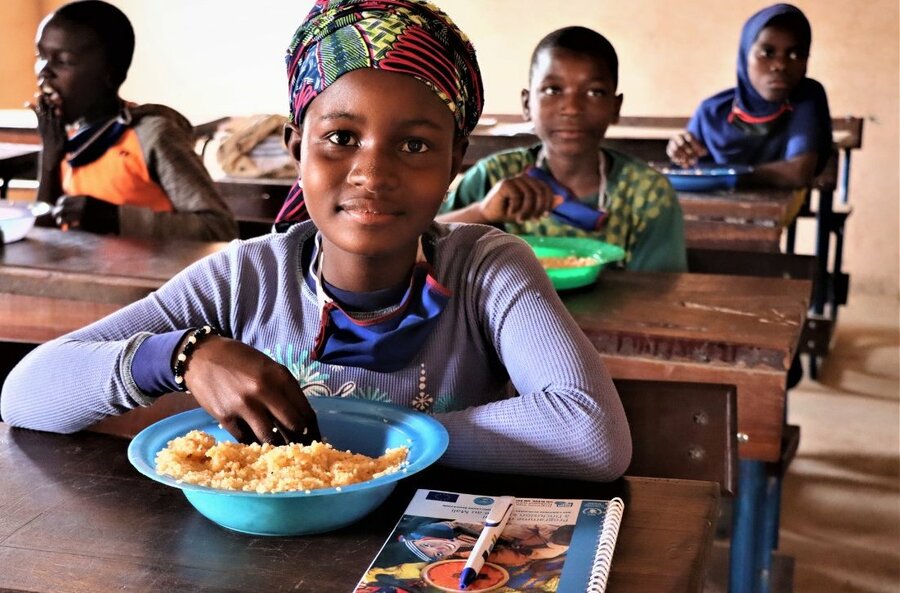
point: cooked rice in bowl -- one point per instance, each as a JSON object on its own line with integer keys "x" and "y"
{"x": 196, "y": 458}
{"x": 568, "y": 261}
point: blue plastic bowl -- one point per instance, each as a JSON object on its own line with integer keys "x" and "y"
{"x": 704, "y": 178}
{"x": 362, "y": 426}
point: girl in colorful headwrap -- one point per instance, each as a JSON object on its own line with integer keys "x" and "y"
{"x": 775, "y": 119}
{"x": 369, "y": 298}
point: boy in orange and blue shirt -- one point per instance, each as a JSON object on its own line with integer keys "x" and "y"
{"x": 109, "y": 166}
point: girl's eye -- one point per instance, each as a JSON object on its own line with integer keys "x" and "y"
{"x": 550, "y": 90}
{"x": 596, "y": 93}
{"x": 342, "y": 138}
{"x": 415, "y": 146}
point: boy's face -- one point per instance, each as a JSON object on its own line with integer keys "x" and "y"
{"x": 376, "y": 153}
{"x": 572, "y": 100}
{"x": 776, "y": 64}
{"x": 71, "y": 68}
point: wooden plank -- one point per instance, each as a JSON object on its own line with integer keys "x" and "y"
{"x": 731, "y": 330}
{"x": 254, "y": 200}
{"x": 74, "y": 264}
{"x": 713, "y": 319}
{"x": 35, "y": 320}
{"x": 736, "y": 236}
{"x": 769, "y": 205}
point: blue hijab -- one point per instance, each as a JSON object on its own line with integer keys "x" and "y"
{"x": 739, "y": 126}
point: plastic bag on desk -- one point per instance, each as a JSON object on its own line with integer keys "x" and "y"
{"x": 254, "y": 147}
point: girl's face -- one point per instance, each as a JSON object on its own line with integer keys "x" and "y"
{"x": 71, "y": 68}
{"x": 376, "y": 153}
{"x": 437, "y": 547}
{"x": 572, "y": 100}
{"x": 776, "y": 64}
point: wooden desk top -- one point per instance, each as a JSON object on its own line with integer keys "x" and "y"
{"x": 771, "y": 205}
{"x": 73, "y": 264}
{"x": 75, "y": 517}
{"x": 744, "y": 321}
{"x": 740, "y": 331}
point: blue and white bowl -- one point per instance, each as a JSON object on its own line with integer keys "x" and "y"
{"x": 704, "y": 178}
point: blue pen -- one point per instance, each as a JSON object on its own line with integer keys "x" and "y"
{"x": 490, "y": 533}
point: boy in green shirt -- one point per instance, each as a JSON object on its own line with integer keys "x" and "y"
{"x": 567, "y": 185}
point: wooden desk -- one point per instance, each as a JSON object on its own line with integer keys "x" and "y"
{"x": 739, "y": 220}
{"x": 255, "y": 203}
{"x": 96, "y": 268}
{"x": 76, "y": 517}
{"x": 740, "y": 331}
{"x": 646, "y": 136}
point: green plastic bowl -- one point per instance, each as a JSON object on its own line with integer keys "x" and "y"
{"x": 576, "y": 277}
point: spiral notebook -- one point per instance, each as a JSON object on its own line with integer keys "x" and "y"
{"x": 549, "y": 545}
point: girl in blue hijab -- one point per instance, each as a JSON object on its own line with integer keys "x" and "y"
{"x": 775, "y": 119}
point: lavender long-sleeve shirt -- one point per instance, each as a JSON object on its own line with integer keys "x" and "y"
{"x": 504, "y": 331}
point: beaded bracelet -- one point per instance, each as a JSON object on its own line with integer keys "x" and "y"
{"x": 181, "y": 360}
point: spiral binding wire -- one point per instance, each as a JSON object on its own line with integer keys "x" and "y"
{"x": 606, "y": 544}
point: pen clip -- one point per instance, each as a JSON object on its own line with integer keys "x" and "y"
{"x": 502, "y": 507}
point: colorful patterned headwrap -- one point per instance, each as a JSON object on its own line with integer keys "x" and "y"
{"x": 408, "y": 36}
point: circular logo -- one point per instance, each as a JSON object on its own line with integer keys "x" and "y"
{"x": 444, "y": 575}
{"x": 484, "y": 500}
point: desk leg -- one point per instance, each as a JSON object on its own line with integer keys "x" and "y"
{"x": 768, "y": 541}
{"x": 746, "y": 534}
{"x": 845, "y": 178}
{"x": 823, "y": 241}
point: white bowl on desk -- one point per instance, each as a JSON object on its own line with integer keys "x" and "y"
{"x": 17, "y": 218}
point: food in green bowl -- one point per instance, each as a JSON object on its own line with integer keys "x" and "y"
{"x": 573, "y": 262}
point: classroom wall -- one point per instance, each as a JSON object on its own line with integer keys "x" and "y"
{"x": 211, "y": 58}
{"x": 17, "y": 27}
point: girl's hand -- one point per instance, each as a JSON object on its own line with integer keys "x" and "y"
{"x": 52, "y": 129}
{"x": 517, "y": 200}
{"x": 252, "y": 396}
{"x": 685, "y": 150}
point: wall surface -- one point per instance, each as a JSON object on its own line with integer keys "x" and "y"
{"x": 210, "y": 58}
{"x": 17, "y": 26}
